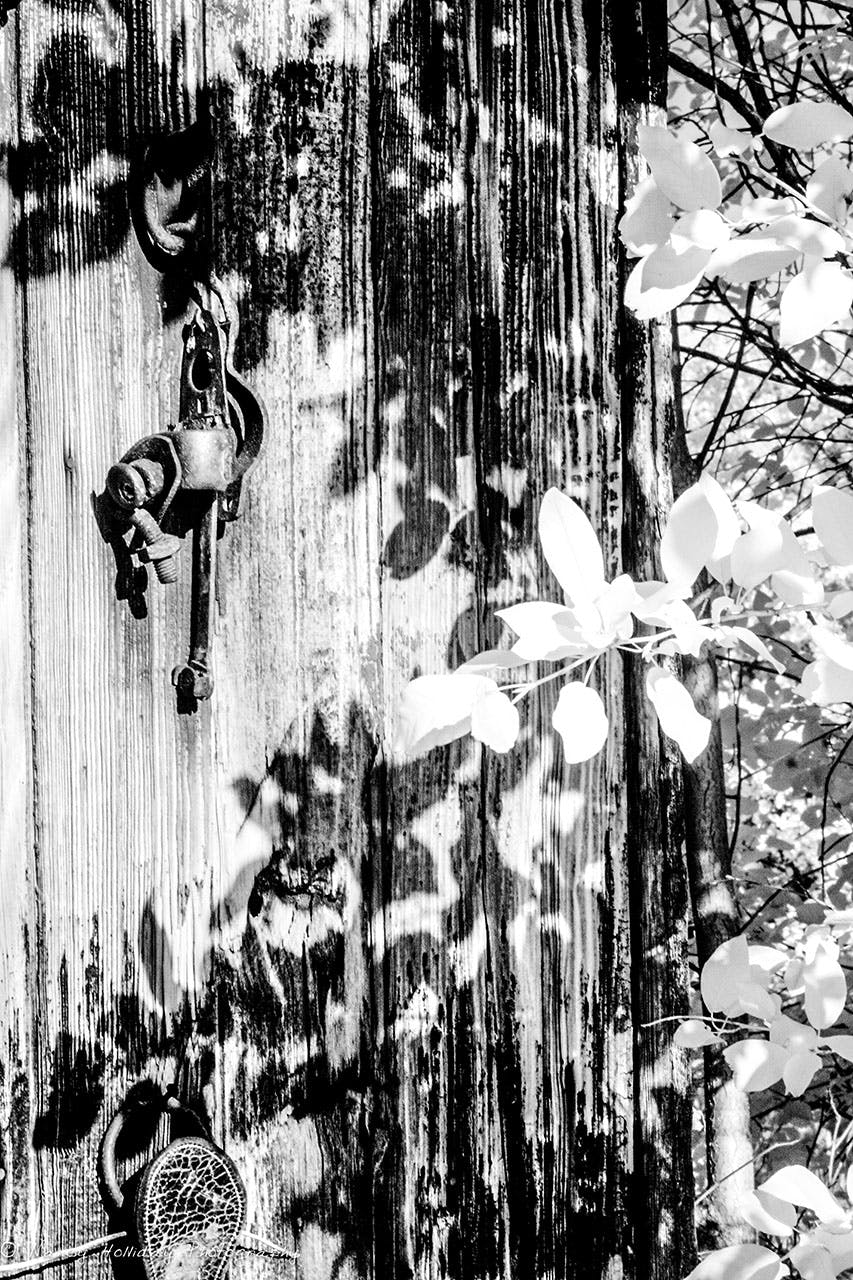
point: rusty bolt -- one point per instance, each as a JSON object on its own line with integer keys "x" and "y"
{"x": 132, "y": 484}
{"x": 159, "y": 548}
{"x": 192, "y": 682}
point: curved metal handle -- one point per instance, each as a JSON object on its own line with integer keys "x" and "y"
{"x": 167, "y": 194}
{"x": 108, "y": 1184}
{"x": 111, "y": 1193}
{"x": 252, "y": 421}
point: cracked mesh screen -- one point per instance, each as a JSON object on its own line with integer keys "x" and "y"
{"x": 190, "y": 1209}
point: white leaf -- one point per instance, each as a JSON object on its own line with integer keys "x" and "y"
{"x": 729, "y": 142}
{"x": 824, "y": 683}
{"x": 819, "y": 937}
{"x": 754, "y": 999}
{"x": 491, "y": 660}
{"x": 703, "y": 228}
{"x": 812, "y": 1262}
{"x": 739, "y": 1262}
{"x": 720, "y": 568}
{"x": 796, "y": 589}
{"x": 728, "y": 526}
{"x": 581, "y": 721}
{"x": 832, "y": 517}
{"x": 818, "y": 297}
{"x": 794, "y": 580}
{"x": 838, "y": 1244}
{"x": 731, "y": 117}
{"x": 723, "y": 973}
{"x": 570, "y": 546}
{"x": 678, "y": 717}
{"x": 647, "y": 220}
{"x": 800, "y": 1070}
{"x": 653, "y": 302}
{"x": 825, "y": 989}
{"x": 614, "y": 606}
{"x": 797, "y": 1037}
{"x": 843, "y": 1046}
{"x": 793, "y": 977}
{"x": 762, "y": 209}
{"x": 798, "y": 1185}
{"x": 720, "y": 607}
{"x": 664, "y": 279}
{"x": 805, "y": 125}
{"x": 753, "y": 642}
{"x": 796, "y": 561}
{"x": 653, "y": 596}
{"x": 689, "y": 538}
{"x": 435, "y": 710}
{"x": 758, "y": 517}
{"x": 495, "y": 721}
{"x": 753, "y": 256}
{"x": 841, "y": 604}
{"x": 694, "y": 1034}
{"x": 756, "y": 555}
{"x": 829, "y": 188}
{"x": 546, "y": 631}
{"x": 690, "y": 634}
{"x": 768, "y": 1214}
{"x": 680, "y": 169}
{"x": 832, "y": 646}
{"x": 768, "y": 960}
{"x": 756, "y": 1064}
{"x": 807, "y": 236}
{"x": 530, "y": 615}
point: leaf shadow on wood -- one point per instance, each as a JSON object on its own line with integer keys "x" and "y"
{"x": 277, "y": 979}
{"x": 281, "y": 985}
{"x": 75, "y": 1094}
{"x": 92, "y": 114}
{"x": 354, "y": 1099}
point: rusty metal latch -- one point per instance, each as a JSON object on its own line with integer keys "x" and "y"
{"x": 188, "y": 479}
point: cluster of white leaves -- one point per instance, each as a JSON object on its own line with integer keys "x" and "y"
{"x": 756, "y": 982}
{"x": 821, "y": 1252}
{"x": 677, "y": 226}
{"x": 741, "y": 548}
{"x": 737, "y": 982}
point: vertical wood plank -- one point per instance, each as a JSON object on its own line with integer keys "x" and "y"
{"x": 15, "y": 729}
{"x": 505, "y": 383}
{"x": 298, "y": 685}
{"x": 663, "y": 1209}
{"x": 117, "y": 780}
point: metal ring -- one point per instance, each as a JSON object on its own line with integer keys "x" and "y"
{"x": 167, "y": 185}
{"x": 108, "y": 1183}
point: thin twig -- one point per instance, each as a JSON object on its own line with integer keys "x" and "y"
{"x": 709, "y": 1191}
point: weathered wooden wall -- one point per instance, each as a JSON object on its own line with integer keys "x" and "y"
{"x": 402, "y": 993}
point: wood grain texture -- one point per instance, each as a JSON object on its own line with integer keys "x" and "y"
{"x": 402, "y": 993}
{"x": 16, "y": 1054}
